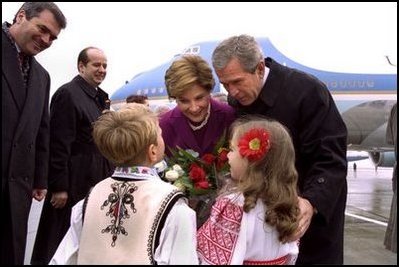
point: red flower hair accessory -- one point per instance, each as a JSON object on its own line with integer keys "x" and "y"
{"x": 254, "y": 144}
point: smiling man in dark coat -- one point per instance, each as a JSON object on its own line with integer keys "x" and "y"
{"x": 75, "y": 162}
{"x": 305, "y": 106}
{"x": 25, "y": 87}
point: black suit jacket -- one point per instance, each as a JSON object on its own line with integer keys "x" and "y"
{"x": 76, "y": 164}
{"x": 25, "y": 139}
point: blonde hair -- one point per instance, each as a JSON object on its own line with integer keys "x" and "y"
{"x": 124, "y": 136}
{"x": 272, "y": 178}
{"x": 187, "y": 71}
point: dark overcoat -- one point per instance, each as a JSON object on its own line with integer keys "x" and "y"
{"x": 25, "y": 146}
{"x": 75, "y": 162}
{"x": 305, "y": 106}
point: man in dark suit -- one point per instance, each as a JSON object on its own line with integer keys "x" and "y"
{"x": 25, "y": 122}
{"x": 391, "y": 233}
{"x": 305, "y": 106}
{"x": 76, "y": 164}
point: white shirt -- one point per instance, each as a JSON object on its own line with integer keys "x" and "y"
{"x": 232, "y": 236}
{"x": 177, "y": 243}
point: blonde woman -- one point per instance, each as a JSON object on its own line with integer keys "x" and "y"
{"x": 198, "y": 121}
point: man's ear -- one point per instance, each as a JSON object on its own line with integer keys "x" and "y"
{"x": 20, "y": 15}
{"x": 80, "y": 66}
{"x": 261, "y": 69}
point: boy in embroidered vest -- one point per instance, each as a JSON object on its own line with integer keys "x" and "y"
{"x": 257, "y": 212}
{"x": 132, "y": 217}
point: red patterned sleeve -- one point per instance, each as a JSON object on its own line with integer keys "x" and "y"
{"x": 217, "y": 238}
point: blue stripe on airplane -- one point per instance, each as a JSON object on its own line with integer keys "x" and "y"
{"x": 151, "y": 82}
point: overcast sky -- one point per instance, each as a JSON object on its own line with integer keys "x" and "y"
{"x": 351, "y": 37}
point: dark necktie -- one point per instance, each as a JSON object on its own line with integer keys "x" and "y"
{"x": 24, "y": 65}
{"x": 21, "y": 58}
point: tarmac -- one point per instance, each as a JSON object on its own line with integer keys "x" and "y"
{"x": 367, "y": 212}
{"x": 368, "y": 206}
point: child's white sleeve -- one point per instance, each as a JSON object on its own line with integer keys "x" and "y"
{"x": 67, "y": 251}
{"x": 178, "y": 241}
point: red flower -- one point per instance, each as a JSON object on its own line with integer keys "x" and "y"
{"x": 197, "y": 173}
{"x": 208, "y": 158}
{"x": 254, "y": 144}
{"x": 222, "y": 159}
{"x": 202, "y": 184}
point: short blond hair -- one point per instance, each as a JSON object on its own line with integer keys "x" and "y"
{"x": 124, "y": 136}
{"x": 187, "y": 71}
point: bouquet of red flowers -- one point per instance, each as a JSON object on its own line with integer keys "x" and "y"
{"x": 199, "y": 177}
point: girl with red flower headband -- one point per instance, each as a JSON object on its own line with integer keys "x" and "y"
{"x": 253, "y": 218}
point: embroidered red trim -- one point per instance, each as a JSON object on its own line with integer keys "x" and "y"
{"x": 279, "y": 261}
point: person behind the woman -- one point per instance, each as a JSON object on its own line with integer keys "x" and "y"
{"x": 252, "y": 220}
{"x": 198, "y": 121}
{"x": 141, "y": 99}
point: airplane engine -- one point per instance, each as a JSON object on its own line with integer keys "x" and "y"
{"x": 382, "y": 159}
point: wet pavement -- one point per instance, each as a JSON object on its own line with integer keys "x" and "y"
{"x": 367, "y": 212}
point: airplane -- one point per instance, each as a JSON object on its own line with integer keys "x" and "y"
{"x": 364, "y": 100}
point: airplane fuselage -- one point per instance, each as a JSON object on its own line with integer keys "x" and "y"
{"x": 364, "y": 100}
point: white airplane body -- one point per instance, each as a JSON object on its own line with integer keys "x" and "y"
{"x": 364, "y": 100}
